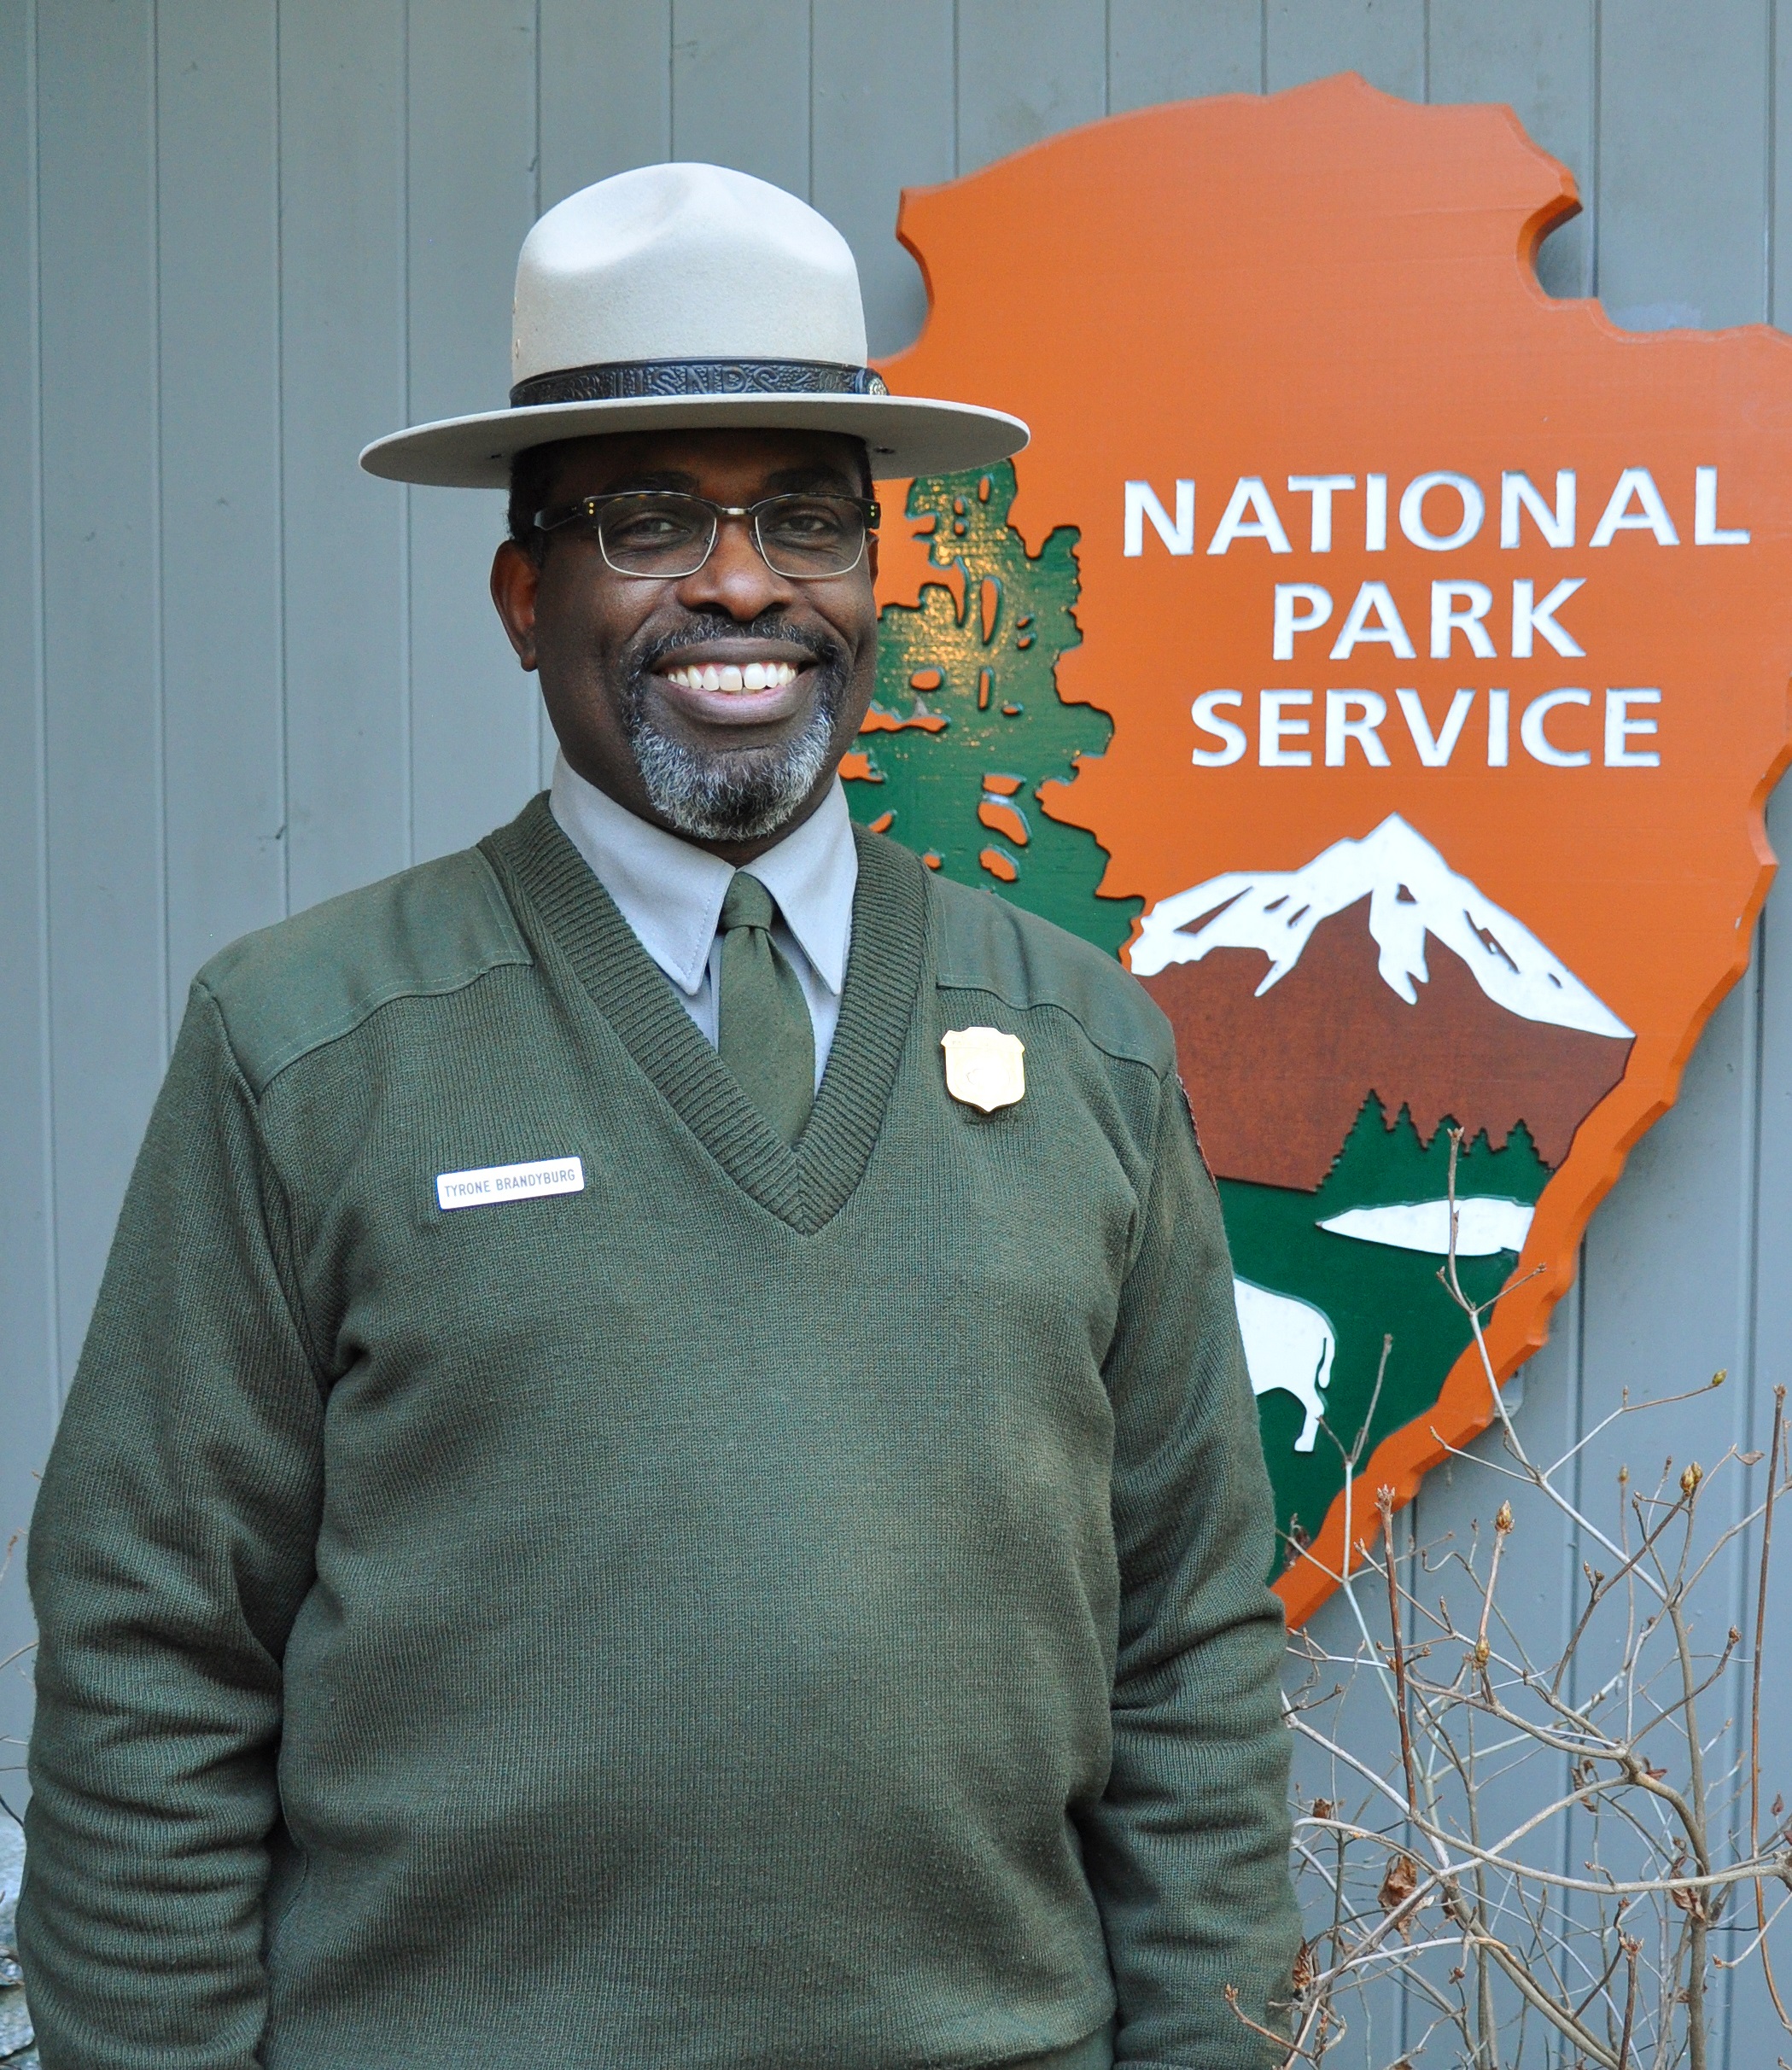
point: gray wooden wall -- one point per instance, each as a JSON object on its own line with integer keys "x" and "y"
{"x": 240, "y": 238}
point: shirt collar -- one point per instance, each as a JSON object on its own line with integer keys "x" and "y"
{"x": 812, "y": 874}
{"x": 670, "y": 891}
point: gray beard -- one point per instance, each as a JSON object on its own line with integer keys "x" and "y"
{"x": 740, "y": 797}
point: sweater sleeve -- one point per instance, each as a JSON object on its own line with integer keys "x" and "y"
{"x": 172, "y": 1543}
{"x": 1187, "y": 1853}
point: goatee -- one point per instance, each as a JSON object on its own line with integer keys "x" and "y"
{"x": 736, "y": 794}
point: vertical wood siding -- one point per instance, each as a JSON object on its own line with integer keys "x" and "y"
{"x": 242, "y": 237}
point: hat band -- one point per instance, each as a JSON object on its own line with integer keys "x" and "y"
{"x": 624, "y": 379}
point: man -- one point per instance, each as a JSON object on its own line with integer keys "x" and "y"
{"x": 663, "y": 1475}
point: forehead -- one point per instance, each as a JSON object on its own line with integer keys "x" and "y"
{"x": 730, "y": 466}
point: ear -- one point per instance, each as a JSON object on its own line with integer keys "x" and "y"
{"x": 516, "y": 579}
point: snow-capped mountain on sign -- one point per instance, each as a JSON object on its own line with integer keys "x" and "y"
{"x": 1412, "y": 892}
{"x": 1376, "y": 968}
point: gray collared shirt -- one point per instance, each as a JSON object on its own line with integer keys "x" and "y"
{"x": 670, "y": 893}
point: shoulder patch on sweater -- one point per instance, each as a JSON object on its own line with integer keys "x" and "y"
{"x": 987, "y": 945}
{"x": 304, "y": 981}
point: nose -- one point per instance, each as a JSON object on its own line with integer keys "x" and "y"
{"x": 735, "y": 578}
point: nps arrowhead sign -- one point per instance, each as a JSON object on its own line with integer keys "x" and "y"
{"x": 1388, "y": 661}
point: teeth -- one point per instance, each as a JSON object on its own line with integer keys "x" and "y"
{"x": 730, "y": 680}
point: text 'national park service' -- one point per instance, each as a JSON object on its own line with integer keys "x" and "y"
{"x": 1521, "y": 617}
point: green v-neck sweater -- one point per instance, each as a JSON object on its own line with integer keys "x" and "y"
{"x": 765, "y": 1608}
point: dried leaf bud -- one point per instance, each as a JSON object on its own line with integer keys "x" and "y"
{"x": 1323, "y": 1807}
{"x": 1483, "y": 1653}
{"x": 1504, "y": 1521}
{"x": 1400, "y": 1882}
{"x": 1690, "y": 1478}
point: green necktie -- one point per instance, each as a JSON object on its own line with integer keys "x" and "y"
{"x": 764, "y": 1035}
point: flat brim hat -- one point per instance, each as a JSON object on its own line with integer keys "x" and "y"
{"x": 680, "y": 297}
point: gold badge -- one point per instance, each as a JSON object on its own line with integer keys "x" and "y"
{"x": 983, "y": 1067}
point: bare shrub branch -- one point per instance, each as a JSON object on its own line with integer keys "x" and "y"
{"x": 1551, "y": 1849}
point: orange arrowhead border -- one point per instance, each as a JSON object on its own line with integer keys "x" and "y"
{"x": 1328, "y": 279}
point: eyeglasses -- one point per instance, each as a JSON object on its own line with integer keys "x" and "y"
{"x": 664, "y": 534}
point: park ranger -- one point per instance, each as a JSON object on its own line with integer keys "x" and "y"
{"x": 662, "y": 1476}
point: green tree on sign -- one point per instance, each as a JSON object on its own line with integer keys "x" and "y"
{"x": 968, "y": 724}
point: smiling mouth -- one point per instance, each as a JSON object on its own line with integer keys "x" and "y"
{"x": 728, "y": 679}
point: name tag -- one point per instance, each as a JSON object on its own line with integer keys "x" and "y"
{"x": 495, "y": 1182}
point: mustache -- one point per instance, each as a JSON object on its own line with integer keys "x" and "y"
{"x": 704, "y": 629}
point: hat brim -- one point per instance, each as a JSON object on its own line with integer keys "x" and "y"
{"x": 905, "y": 436}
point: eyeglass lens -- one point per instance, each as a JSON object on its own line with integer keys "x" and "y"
{"x": 664, "y": 534}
